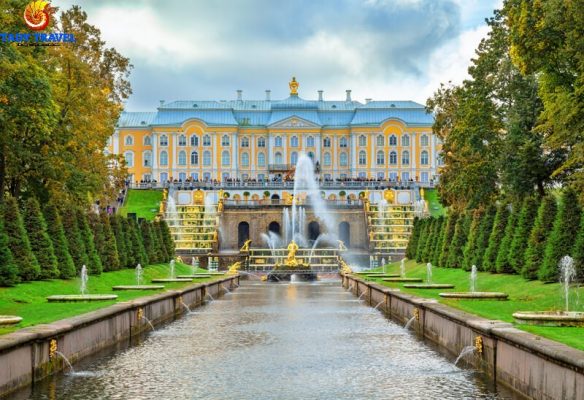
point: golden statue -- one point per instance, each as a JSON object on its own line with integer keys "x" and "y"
{"x": 388, "y": 195}
{"x": 161, "y": 210}
{"x": 220, "y": 206}
{"x": 164, "y": 194}
{"x": 199, "y": 197}
{"x": 179, "y": 259}
{"x": 366, "y": 194}
{"x": 342, "y": 246}
{"x": 221, "y": 194}
{"x": 215, "y": 236}
{"x": 422, "y": 193}
{"x": 293, "y": 87}
{"x": 371, "y": 236}
{"x": 234, "y": 268}
{"x": 245, "y": 247}
{"x": 292, "y": 248}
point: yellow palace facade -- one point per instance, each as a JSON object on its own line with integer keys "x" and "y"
{"x": 262, "y": 139}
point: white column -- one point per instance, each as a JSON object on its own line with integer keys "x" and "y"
{"x": 372, "y": 153}
{"x": 270, "y": 149}
{"x": 354, "y": 152}
{"x": 234, "y": 155}
{"x": 413, "y": 164}
{"x": 318, "y": 143}
{"x": 215, "y": 161}
{"x": 335, "y": 145}
{"x": 252, "y": 161}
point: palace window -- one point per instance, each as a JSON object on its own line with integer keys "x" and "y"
{"x": 440, "y": 159}
{"x": 294, "y": 141}
{"x": 293, "y": 158}
{"x": 393, "y": 140}
{"x": 182, "y": 157}
{"x": 380, "y": 141}
{"x": 225, "y": 159}
{"x": 129, "y": 140}
{"x": 207, "y": 158}
{"x": 163, "y": 158}
{"x": 344, "y": 159}
{"x": 343, "y": 142}
{"x": 326, "y": 142}
{"x": 405, "y": 140}
{"x": 129, "y": 157}
{"x": 278, "y": 158}
{"x": 362, "y": 140}
{"x": 278, "y": 141}
{"x": 147, "y": 158}
{"x": 261, "y": 142}
{"x": 424, "y": 140}
{"x": 206, "y": 140}
{"x": 195, "y": 176}
{"x": 393, "y": 176}
{"x": 362, "y": 158}
{"x": 424, "y": 158}
{"x": 182, "y": 140}
{"x": 310, "y": 141}
{"x": 424, "y": 177}
{"x": 163, "y": 176}
{"x": 225, "y": 140}
{"x": 380, "y": 158}
{"x": 194, "y": 158}
{"x": 147, "y": 140}
{"x": 245, "y": 141}
{"x": 261, "y": 160}
{"x": 245, "y": 160}
{"x": 195, "y": 140}
{"x": 327, "y": 159}
{"x": 393, "y": 158}
{"x": 182, "y": 176}
{"x": 164, "y": 140}
{"x": 207, "y": 176}
{"x": 406, "y": 158}
{"x": 405, "y": 176}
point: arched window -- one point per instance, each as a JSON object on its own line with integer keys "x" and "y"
{"x": 129, "y": 157}
{"x": 225, "y": 140}
{"x": 245, "y": 141}
{"x": 405, "y": 140}
{"x": 310, "y": 141}
{"x": 440, "y": 159}
{"x": 163, "y": 158}
{"x": 278, "y": 158}
{"x": 164, "y": 140}
{"x": 182, "y": 157}
{"x": 206, "y": 140}
{"x": 261, "y": 142}
{"x": 327, "y": 159}
{"x": 362, "y": 158}
{"x": 207, "y": 158}
{"x": 147, "y": 140}
{"x": 293, "y": 158}
{"x": 344, "y": 159}
{"x": 406, "y": 158}
{"x": 182, "y": 140}
{"x": 194, "y": 158}
{"x": 393, "y": 158}
{"x": 294, "y": 141}
{"x": 261, "y": 160}
{"x": 424, "y": 158}
{"x": 424, "y": 140}
{"x": 147, "y": 158}
{"x": 225, "y": 159}
{"x": 129, "y": 140}
{"x": 245, "y": 160}
{"x": 362, "y": 140}
{"x": 194, "y": 140}
{"x": 278, "y": 141}
{"x": 343, "y": 142}
{"x": 380, "y": 141}
{"x": 393, "y": 140}
{"x": 380, "y": 157}
{"x": 326, "y": 142}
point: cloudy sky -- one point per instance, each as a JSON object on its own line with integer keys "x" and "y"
{"x": 380, "y": 49}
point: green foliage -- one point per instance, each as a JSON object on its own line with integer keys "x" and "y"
{"x": 482, "y": 241}
{"x": 455, "y": 254}
{"x": 164, "y": 255}
{"x": 447, "y": 239}
{"x": 424, "y": 233}
{"x": 502, "y": 263}
{"x": 536, "y": 244}
{"x": 497, "y": 233}
{"x": 40, "y": 241}
{"x": 75, "y": 242}
{"x": 133, "y": 258}
{"x": 430, "y": 240}
{"x": 578, "y": 251}
{"x": 144, "y": 203}
{"x": 525, "y": 223}
{"x": 140, "y": 255}
{"x": 442, "y": 222}
{"x": 563, "y": 235}
{"x": 94, "y": 266}
{"x": 120, "y": 237}
{"x": 167, "y": 239}
{"x": 149, "y": 241}
{"x": 28, "y": 266}
{"x": 109, "y": 252}
{"x": 471, "y": 246}
{"x": 414, "y": 238}
{"x": 8, "y": 268}
{"x": 57, "y": 234}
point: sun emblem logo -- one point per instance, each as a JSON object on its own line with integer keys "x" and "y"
{"x": 37, "y": 15}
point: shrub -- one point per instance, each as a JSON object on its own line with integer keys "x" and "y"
{"x": 8, "y": 268}
{"x": 497, "y": 233}
{"x": 75, "y": 241}
{"x": 414, "y": 237}
{"x": 167, "y": 239}
{"x": 447, "y": 239}
{"x": 538, "y": 237}
{"x": 424, "y": 232}
{"x": 40, "y": 242}
{"x": 578, "y": 251}
{"x": 140, "y": 255}
{"x": 118, "y": 231}
{"x": 109, "y": 252}
{"x": 57, "y": 235}
{"x": 502, "y": 264}
{"x": 442, "y": 221}
{"x": 455, "y": 254}
{"x": 430, "y": 240}
{"x": 472, "y": 243}
{"x": 149, "y": 241}
{"x": 266, "y": 194}
{"x": 94, "y": 266}
{"x": 483, "y": 238}
{"x": 525, "y": 223}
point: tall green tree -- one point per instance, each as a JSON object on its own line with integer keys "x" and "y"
{"x": 60, "y": 245}
{"x": 8, "y": 268}
{"x": 471, "y": 245}
{"x": 40, "y": 242}
{"x": 94, "y": 266}
{"x": 138, "y": 248}
{"x": 521, "y": 235}
{"x": 534, "y": 255}
{"x": 502, "y": 263}
{"x": 455, "y": 253}
{"x": 132, "y": 256}
{"x": 447, "y": 239}
{"x": 167, "y": 239}
{"x": 414, "y": 238}
{"x": 118, "y": 231}
{"x": 424, "y": 234}
{"x": 497, "y": 233}
{"x": 578, "y": 251}
{"x": 482, "y": 241}
{"x": 148, "y": 241}
{"x": 75, "y": 241}
{"x": 164, "y": 255}
{"x": 439, "y": 241}
{"x": 24, "y": 258}
{"x": 109, "y": 256}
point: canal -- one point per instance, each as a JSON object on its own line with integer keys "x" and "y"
{"x": 273, "y": 341}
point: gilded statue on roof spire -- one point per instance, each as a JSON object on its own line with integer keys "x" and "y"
{"x": 293, "y": 86}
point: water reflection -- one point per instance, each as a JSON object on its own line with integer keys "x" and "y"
{"x": 274, "y": 341}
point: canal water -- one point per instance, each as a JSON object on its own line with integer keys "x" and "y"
{"x": 273, "y": 341}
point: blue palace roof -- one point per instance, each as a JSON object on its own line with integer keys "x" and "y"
{"x": 265, "y": 113}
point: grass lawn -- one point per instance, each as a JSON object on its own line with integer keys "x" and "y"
{"x": 145, "y": 203}
{"x": 435, "y": 208}
{"x": 28, "y": 300}
{"x": 523, "y": 296}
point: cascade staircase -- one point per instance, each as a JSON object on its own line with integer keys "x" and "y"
{"x": 389, "y": 227}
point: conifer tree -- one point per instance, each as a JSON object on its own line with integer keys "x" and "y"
{"x": 483, "y": 238}
{"x": 57, "y": 235}
{"x": 455, "y": 254}
{"x": 578, "y": 251}
{"x": 94, "y": 266}
{"x": 164, "y": 256}
{"x": 442, "y": 222}
{"x": 431, "y": 240}
{"x": 75, "y": 241}
{"x": 8, "y": 268}
{"x": 502, "y": 264}
{"x": 148, "y": 241}
{"x": 471, "y": 245}
{"x": 521, "y": 236}
{"x": 137, "y": 243}
{"x": 497, "y": 233}
{"x": 536, "y": 244}
{"x": 447, "y": 239}
{"x": 563, "y": 236}
{"x": 22, "y": 254}
{"x": 40, "y": 242}
{"x": 167, "y": 238}
{"x": 424, "y": 233}
{"x": 413, "y": 242}
{"x": 132, "y": 256}
{"x": 109, "y": 256}
{"x": 118, "y": 231}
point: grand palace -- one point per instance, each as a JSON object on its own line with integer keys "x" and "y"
{"x": 261, "y": 140}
